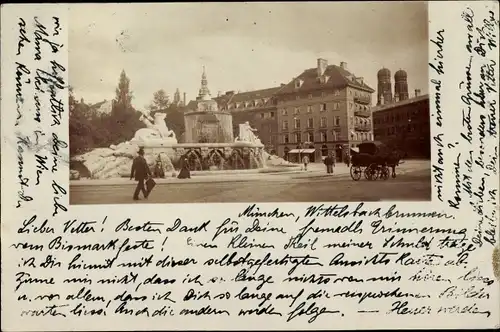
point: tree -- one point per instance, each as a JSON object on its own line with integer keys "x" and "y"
{"x": 160, "y": 101}
{"x": 175, "y": 119}
{"x": 123, "y": 121}
{"x": 175, "y": 114}
{"x": 123, "y": 93}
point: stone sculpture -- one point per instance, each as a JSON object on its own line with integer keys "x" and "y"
{"x": 156, "y": 129}
{"x": 247, "y": 133}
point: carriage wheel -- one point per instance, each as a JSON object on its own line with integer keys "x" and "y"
{"x": 384, "y": 173}
{"x": 371, "y": 172}
{"x": 356, "y": 173}
{"x": 367, "y": 173}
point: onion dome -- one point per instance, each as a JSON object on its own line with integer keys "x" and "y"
{"x": 400, "y": 75}
{"x": 384, "y": 72}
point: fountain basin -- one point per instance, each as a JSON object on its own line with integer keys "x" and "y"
{"x": 211, "y": 156}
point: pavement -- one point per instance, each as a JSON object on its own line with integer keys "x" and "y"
{"x": 413, "y": 183}
{"x": 315, "y": 170}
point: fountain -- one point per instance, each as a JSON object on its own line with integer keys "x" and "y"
{"x": 209, "y": 144}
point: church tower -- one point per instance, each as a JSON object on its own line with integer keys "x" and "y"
{"x": 384, "y": 88}
{"x": 401, "y": 84}
{"x": 204, "y": 93}
{"x": 177, "y": 97}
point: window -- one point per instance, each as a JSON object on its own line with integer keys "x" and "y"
{"x": 310, "y": 96}
{"x": 323, "y": 107}
{"x": 297, "y": 83}
{"x": 297, "y": 123}
{"x": 337, "y": 120}
{"x": 296, "y": 110}
{"x": 285, "y": 125}
{"x": 310, "y": 137}
{"x": 323, "y": 94}
{"x": 336, "y": 106}
{"x": 284, "y": 112}
{"x": 323, "y": 136}
{"x": 309, "y": 109}
{"x": 262, "y": 115}
{"x": 297, "y": 97}
{"x": 297, "y": 138}
{"x": 272, "y": 114}
{"x": 323, "y": 122}
{"x": 286, "y": 139}
{"x": 336, "y": 92}
{"x": 310, "y": 123}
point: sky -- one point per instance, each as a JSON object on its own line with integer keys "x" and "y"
{"x": 244, "y": 46}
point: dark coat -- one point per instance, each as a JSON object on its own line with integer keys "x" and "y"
{"x": 140, "y": 169}
{"x": 185, "y": 173}
{"x": 329, "y": 161}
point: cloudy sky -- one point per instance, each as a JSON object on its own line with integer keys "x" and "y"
{"x": 244, "y": 46}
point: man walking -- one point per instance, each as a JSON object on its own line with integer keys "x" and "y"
{"x": 140, "y": 170}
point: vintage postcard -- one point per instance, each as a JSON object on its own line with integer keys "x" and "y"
{"x": 257, "y": 166}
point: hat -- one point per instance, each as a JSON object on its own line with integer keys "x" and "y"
{"x": 141, "y": 150}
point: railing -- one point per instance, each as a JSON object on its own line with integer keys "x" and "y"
{"x": 363, "y": 114}
{"x": 362, "y": 127}
{"x": 363, "y": 100}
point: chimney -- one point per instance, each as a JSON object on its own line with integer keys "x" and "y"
{"x": 360, "y": 79}
{"x": 343, "y": 65}
{"x": 417, "y": 92}
{"x": 282, "y": 85}
{"x": 184, "y": 99}
{"x": 219, "y": 93}
{"x": 322, "y": 64}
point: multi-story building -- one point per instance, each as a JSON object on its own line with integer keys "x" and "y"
{"x": 324, "y": 109}
{"x": 405, "y": 125}
{"x": 259, "y": 109}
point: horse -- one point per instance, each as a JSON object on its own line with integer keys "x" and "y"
{"x": 392, "y": 160}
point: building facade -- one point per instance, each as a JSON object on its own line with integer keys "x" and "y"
{"x": 405, "y": 126}
{"x": 259, "y": 108}
{"x": 325, "y": 109}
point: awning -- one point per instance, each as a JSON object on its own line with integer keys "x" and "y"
{"x": 355, "y": 150}
{"x": 308, "y": 150}
{"x": 302, "y": 151}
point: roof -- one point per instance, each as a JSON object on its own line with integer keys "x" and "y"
{"x": 371, "y": 147}
{"x": 385, "y": 107}
{"x": 246, "y": 96}
{"x": 338, "y": 78}
{"x": 192, "y": 105}
{"x": 98, "y": 105}
{"x": 384, "y": 72}
{"x": 400, "y": 74}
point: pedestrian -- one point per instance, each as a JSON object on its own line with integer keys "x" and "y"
{"x": 329, "y": 162}
{"x": 347, "y": 159}
{"x": 140, "y": 171}
{"x": 305, "y": 161}
{"x": 185, "y": 173}
{"x": 159, "y": 173}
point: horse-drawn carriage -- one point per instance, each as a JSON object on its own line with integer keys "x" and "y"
{"x": 373, "y": 159}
